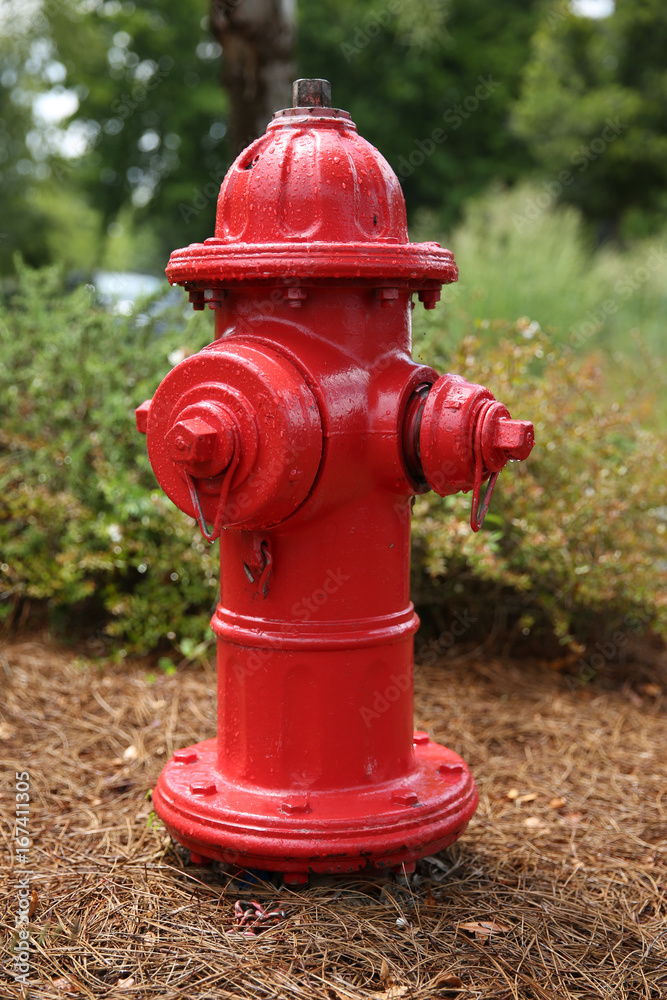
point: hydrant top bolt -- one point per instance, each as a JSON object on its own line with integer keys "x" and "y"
{"x": 311, "y": 94}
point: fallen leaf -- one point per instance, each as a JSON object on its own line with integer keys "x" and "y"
{"x": 429, "y": 898}
{"x": 535, "y": 823}
{"x": 385, "y": 974}
{"x": 557, "y": 803}
{"x": 130, "y": 753}
{"x": 484, "y": 928}
{"x": 34, "y": 900}
{"x": 528, "y": 797}
{"x": 65, "y": 984}
{"x": 652, "y": 690}
{"x": 126, "y": 984}
{"x": 573, "y": 818}
{"x": 447, "y": 982}
{"x": 513, "y": 794}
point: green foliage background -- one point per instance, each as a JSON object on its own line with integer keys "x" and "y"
{"x": 559, "y": 233}
{"x": 83, "y": 525}
{"x": 131, "y": 169}
{"x": 572, "y": 546}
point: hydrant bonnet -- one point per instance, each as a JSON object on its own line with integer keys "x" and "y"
{"x": 312, "y": 197}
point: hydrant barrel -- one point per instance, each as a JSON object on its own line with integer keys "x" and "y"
{"x": 299, "y": 438}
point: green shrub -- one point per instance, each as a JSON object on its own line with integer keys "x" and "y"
{"x": 574, "y": 541}
{"x": 519, "y": 259}
{"x": 576, "y": 534}
{"x": 83, "y": 525}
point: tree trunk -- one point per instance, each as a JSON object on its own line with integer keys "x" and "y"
{"x": 257, "y": 39}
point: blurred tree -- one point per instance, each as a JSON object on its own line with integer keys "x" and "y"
{"x": 430, "y": 83}
{"x": 117, "y": 125}
{"x": 151, "y": 114}
{"x": 24, "y": 223}
{"x": 593, "y": 111}
{"x": 257, "y": 40}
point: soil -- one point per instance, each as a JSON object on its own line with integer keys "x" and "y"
{"x": 558, "y": 888}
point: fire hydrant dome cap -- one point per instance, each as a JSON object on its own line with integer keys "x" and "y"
{"x": 311, "y": 198}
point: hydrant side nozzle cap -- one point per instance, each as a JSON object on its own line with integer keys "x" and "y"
{"x": 313, "y": 93}
{"x": 516, "y": 438}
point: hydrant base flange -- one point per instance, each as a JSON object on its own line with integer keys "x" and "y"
{"x": 320, "y": 831}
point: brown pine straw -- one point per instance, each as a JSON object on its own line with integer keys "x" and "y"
{"x": 575, "y": 893}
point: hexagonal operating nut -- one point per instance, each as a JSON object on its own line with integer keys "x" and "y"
{"x": 515, "y": 437}
{"x": 311, "y": 94}
{"x": 191, "y": 441}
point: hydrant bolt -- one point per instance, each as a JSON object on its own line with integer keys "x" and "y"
{"x": 203, "y": 786}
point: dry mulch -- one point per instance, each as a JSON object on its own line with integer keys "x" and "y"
{"x": 557, "y": 890}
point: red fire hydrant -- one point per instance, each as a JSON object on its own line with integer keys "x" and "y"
{"x": 299, "y": 438}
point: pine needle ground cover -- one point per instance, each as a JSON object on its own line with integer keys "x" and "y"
{"x": 557, "y": 890}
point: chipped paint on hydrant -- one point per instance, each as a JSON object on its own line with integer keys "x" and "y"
{"x": 299, "y": 438}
